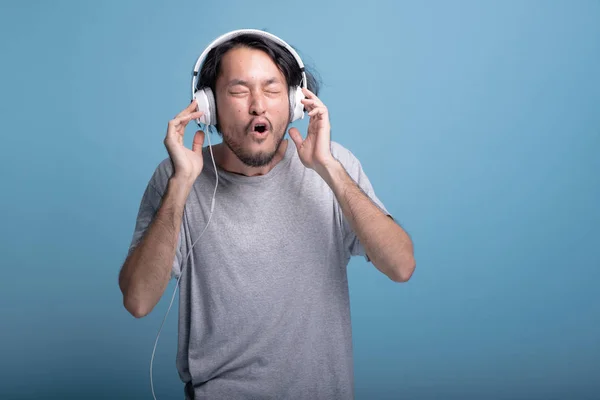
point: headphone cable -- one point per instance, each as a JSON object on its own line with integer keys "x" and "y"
{"x": 212, "y": 207}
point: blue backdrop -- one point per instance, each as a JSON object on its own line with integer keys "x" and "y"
{"x": 477, "y": 122}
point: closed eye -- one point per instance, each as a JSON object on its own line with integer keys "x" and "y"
{"x": 273, "y": 88}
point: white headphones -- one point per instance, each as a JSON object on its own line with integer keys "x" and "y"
{"x": 206, "y": 99}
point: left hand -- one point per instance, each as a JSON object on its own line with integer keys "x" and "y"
{"x": 315, "y": 150}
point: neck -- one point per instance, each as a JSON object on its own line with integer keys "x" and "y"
{"x": 228, "y": 161}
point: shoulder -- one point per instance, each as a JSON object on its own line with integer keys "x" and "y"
{"x": 344, "y": 156}
{"x": 341, "y": 152}
{"x": 161, "y": 175}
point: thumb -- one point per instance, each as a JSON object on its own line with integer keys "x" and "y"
{"x": 296, "y": 137}
{"x": 198, "y": 142}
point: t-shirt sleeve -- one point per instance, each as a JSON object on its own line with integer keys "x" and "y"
{"x": 149, "y": 205}
{"x": 357, "y": 173}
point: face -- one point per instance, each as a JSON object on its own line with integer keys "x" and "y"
{"x": 252, "y": 105}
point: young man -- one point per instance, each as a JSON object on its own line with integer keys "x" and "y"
{"x": 264, "y": 307}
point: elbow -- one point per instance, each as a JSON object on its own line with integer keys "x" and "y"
{"x": 136, "y": 308}
{"x": 138, "y": 314}
{"x": 133, "y": 304}
{"x": 403, "y": 271}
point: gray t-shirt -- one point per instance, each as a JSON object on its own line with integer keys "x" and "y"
{"x": 264, "y": 311}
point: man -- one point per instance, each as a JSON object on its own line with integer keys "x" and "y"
{"x": 264, "y": 307}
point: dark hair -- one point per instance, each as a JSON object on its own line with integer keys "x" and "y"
{"x": 284, "y": 60}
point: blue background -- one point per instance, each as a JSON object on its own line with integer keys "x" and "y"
{"x": 477, "y": 122}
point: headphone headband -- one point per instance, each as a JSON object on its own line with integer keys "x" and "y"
{"x": 206, "y": 99}
{"x": 238, "y": 32}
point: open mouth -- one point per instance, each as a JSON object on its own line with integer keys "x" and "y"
{"x": 260, "y": 128}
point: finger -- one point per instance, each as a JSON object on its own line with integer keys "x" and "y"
{"x": 193, "y": 115}
{"x": 313, "y": 102}
{"x": 296, "y": 137}
{"x": 190, "y": 108}
{"x": 193, "y": 106}
{"x": 198, "y": 142}
{"x": 185, "y": 119}
{"x": 309, "y": 102}
{"x": 308, "y": 93}
{"x": 317, "y": 111}
{"x": 177, "y": 126}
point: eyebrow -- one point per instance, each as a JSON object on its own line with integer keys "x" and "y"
{"x": 234, "y": 82}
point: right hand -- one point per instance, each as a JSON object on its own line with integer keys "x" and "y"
{"x": 187, "y": 163}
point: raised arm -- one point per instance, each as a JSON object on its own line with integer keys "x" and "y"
{"x": 146, "y": 271}
{"x": 386, "y": 243}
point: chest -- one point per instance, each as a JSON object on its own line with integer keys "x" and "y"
{"x": 263, "y": 239}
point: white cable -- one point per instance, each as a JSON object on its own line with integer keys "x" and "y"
{"x": 212, "y": 207}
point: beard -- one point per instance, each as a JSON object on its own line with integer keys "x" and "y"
{"x": 261, "y": 158}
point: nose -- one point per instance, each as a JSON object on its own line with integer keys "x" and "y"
{"x": 257, "y": 104}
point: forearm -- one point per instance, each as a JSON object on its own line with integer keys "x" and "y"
{"x": 146, "y": 272}
{"x": 388, "y": 246}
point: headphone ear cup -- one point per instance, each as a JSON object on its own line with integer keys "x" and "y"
{"x": 296, "y": 106}
{"x": 206, "y": 104}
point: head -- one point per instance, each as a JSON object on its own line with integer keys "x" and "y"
{"x": 250, "y": 77}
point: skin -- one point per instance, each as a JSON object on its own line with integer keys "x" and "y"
{"x": 251, "y": 86}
